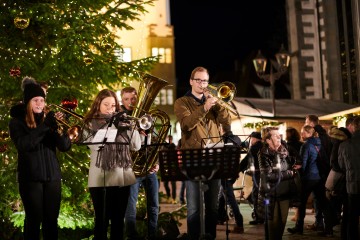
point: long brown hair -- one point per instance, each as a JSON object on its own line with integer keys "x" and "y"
{"x": 95, "y": 106}
{"x": 29, "y": 116}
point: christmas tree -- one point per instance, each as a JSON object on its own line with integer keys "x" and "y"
{"x": 72, "y": 47}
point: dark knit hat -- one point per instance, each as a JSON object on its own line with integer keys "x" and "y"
{"x": 31, "y": 89}
{"x": 256, "y": 135}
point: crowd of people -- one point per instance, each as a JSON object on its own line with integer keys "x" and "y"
{"x": 285, "y": 172}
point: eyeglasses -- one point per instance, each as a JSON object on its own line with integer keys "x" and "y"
{"x": 197, "y": 80}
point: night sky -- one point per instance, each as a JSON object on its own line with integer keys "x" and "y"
{"x": 215, "y": 34}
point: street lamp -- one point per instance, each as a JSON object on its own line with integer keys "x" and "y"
{"x": 280, "y": 65}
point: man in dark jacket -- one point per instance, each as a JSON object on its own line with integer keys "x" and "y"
{"x": 252, "y": 159}
{"x": 349, "y": 153}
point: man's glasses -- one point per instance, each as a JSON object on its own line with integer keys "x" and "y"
{"x": 197, "y": 80}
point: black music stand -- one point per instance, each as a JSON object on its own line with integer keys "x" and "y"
{"x": 200, "y": 165}
{"x": 102, "y": 138}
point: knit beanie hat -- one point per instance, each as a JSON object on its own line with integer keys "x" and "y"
{"x": 31, "y": 89}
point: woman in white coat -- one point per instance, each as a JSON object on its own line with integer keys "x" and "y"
{"x": 110, "y": 173}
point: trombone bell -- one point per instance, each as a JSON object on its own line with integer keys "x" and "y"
{"x": 225, "y": 92}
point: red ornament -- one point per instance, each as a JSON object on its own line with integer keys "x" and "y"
{"x": 15, "y": 72}
{"x": 3, "y": 148}
{"x": 70, "y": 104}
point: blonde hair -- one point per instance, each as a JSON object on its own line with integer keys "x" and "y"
{"x": 311, "y": 130}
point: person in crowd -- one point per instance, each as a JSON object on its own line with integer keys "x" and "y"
{"x": 110, "y": 172}
{"x": 276, "y": 177}
{"x": 313, "y": 121}
{"x": 227, "y": 196}
{"x": 36, "y": 138}
{"x": 294, "y": 143}
{"x": 200, "y": 117}
{"x": 252, "y": 158}
{"x": 150, "y": 182}
{"x": 310, "y": 179}
{"x": 349, "y": 163}
{"x": 182, "y": 188}
{"x": 338, "y": 200}
{"x": 171, "y": 195}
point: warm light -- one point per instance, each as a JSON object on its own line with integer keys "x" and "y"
{"x": 283, "y": 58}
{"x": 260, "y": 63}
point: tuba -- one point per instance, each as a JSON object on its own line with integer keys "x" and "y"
{"x": 146, "y": 157}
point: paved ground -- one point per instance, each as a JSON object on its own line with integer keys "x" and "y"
{"x": 252, "y": 232}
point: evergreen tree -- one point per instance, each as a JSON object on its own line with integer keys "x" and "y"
{"x": 70, "y": 45}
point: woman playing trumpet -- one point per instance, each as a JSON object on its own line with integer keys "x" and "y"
{"x": 39, "y": 174}
{"x": 110, "y": 173}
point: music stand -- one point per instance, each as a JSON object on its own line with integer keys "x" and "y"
{"x": 101, "y": 138}
{"x": 200, "y": 165}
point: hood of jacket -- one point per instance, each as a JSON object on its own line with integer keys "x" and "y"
{"x": 18, "y": 111}
{"x": 340, "y": 133}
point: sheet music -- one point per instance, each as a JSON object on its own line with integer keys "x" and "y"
{"x": 105, "y": 135}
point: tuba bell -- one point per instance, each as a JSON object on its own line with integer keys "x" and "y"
{"x": 146, "y": 157}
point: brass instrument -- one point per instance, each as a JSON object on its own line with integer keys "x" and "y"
{"x": 146, "y": 158}
{"x": 72, "y": 130}
{"x": 145, "y": 122}
{"x": 225, "y": 92}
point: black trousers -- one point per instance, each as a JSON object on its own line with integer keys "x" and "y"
{"x": 113, "y": 209}
{"x": 42, "y": 205}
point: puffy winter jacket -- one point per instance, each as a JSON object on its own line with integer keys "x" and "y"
{"x": 36, "y": 148}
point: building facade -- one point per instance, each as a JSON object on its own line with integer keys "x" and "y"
{"x": 324, "y": 44}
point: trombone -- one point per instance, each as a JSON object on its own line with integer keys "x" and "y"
{"x": 225, "y": 92}
{"x": 72, "y": 130}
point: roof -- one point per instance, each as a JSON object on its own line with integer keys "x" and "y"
{"x": 288, "y": 108}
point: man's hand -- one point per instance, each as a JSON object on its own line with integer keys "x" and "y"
{"x": 210, "y": 101}
{"x": 154, "y": 169}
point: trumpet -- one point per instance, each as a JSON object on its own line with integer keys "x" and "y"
{"x": 225, "y": 92}
{"x": 72, "y": 130}
{"x": 145, "y": 122}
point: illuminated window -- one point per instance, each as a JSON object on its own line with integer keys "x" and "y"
{"x": 165, "y": 97}
{"x": 165, "y": 54}
{"x": 123, "y": 55}
{"x": 169, "y": 96}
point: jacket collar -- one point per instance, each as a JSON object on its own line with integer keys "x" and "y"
{"x": 201, "y": 101}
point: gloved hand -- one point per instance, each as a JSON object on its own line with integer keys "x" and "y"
{"x": 229, "y": 137}
{"x": 50, "y": 120}
{"x": 120, "y": 117}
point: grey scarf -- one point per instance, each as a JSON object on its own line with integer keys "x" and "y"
{"x": 113, "y": 155}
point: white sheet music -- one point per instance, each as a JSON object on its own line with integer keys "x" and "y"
{"x": 109, "y": 134}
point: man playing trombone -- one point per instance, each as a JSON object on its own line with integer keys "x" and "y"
{"x": 200, "y": 116}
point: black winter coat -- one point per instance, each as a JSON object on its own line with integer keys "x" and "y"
{"x": 36, "y": 148}
{"x": 277, "y": 191}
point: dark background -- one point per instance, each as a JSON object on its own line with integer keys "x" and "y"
{"x": 220, "y": 35}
